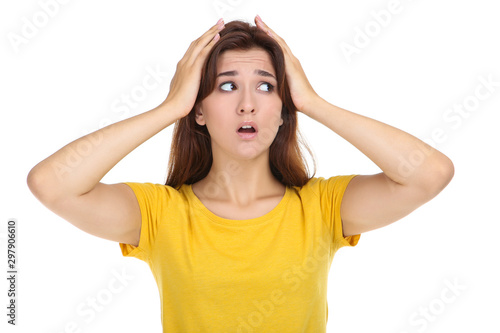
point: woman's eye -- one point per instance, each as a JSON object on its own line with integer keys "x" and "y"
{"x": 228, "y": 86}
{"x": 267, "y": 86}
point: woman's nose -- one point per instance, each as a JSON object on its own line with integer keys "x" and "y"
{"x": 247, "y": 103}
{"x": 247, "y": 109}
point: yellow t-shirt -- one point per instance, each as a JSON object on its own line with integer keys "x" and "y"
{"x": 266, "y": 274}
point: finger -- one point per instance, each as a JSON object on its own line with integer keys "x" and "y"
{"x": 265, "y": 27}
{"x": 262, "y": 25}
{"x": 205, "y": 40}
{"x": 270, "y": 32}
{"x": 286, "y": 50}
{"x": 212, "y": 31}
{"x": 209, "y": 46}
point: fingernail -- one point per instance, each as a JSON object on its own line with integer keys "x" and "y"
{"x": 258, "y": 18}
{"x": 220, "y": 22}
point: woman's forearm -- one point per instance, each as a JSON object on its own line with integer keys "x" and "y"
{"x": 77, "y": 167}
{"x": 402, "y": 157}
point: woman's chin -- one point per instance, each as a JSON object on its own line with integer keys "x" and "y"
{"x": 250, "y": 152}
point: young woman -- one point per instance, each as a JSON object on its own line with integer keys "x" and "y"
{"x": 240, "y": 238}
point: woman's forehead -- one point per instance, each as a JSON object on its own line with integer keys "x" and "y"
{"x": 255, "y": 57}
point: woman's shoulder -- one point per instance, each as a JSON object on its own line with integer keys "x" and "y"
{"x": 155, "y": 191}
{"x": 320, "y": 185}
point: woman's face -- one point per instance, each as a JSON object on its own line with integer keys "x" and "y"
{"x": 244, "y": 95}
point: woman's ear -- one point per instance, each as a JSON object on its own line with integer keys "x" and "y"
{"x": 200, "y": 119}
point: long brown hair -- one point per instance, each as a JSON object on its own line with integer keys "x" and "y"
{"x": 191, "y": 151}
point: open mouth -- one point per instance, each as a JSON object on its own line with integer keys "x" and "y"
{"x": 246, "y": 129}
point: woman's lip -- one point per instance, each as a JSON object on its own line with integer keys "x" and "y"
{"x": 248, "y": 123}
{"x": 247, "y": 136}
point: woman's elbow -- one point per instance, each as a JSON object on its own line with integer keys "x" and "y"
{"x": 442, "y": 174}
{"x": 39, "y": 186}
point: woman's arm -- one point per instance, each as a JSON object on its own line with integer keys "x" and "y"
{"x": 76, "y": 168}
{"x": 413, "y": 172}
{"x": 68, "y": 181}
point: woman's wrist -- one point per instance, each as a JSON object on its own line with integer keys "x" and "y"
{"x": 313, "y": 106}
{"x": 171, "y": 111}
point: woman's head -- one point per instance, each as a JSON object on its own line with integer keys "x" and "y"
{"x": 240, "y": 94}
{"x": 244, "y": 94}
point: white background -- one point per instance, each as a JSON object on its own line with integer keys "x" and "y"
{"x": 64, "y": 80}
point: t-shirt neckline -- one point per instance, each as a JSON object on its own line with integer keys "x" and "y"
{"x": 244, "y": 222}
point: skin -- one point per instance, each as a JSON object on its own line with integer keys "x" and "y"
{"x": 252, "y": 190}
{"x": 68, "y": 183}
{"x": 372, "y": 201}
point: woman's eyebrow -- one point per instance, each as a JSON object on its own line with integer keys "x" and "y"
{"x": 257, "y": 72}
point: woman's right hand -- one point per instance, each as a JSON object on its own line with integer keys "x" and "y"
{"x": 186, "y": 81}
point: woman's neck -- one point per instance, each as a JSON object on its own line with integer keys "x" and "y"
{"x": 239, "y": 182}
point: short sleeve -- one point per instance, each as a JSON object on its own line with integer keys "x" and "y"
{"x": 331, "y": 192}
{"x": 152, "y": 199}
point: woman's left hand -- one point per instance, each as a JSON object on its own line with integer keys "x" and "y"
{"x": 303, "y": 94}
